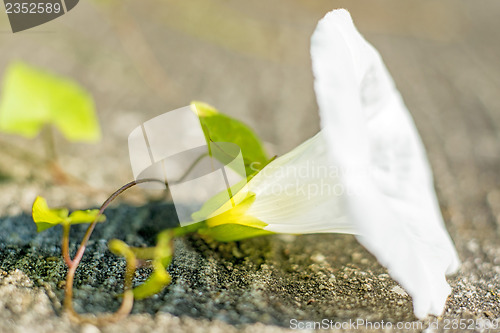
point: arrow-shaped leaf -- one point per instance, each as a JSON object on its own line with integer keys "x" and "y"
{"x": 45, "y": 217}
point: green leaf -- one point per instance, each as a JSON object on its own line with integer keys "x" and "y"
{"x": 218, "y": 127}
{"x": 231, "y": 224}
{"x": 32, "y": 98}
{"x": 45, "y": 217}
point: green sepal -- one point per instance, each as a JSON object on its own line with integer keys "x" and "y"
{"x": 232, "y": 223}
{"x": 217, "y": 201}
{"x": 233, "y": 232}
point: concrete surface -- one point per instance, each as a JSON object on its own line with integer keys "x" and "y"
{"x": 251, "y": 60}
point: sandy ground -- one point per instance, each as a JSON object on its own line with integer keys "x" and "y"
{"x": 251, "y": 60}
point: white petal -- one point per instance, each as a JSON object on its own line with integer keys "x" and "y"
{"x": 299, "y": 192}
{"x": 371, "y": 133}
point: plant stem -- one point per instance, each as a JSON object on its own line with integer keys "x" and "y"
{"x": 191, "y": 167}
{"x": 128, "y": 297}
{"x": 65, "y": 245}
{"x": 50, "y": 147}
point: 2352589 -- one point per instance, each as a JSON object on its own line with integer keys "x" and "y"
{"x": 32, "y": 8}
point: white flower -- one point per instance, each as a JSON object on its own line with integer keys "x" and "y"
{"x": 365, "y": 173}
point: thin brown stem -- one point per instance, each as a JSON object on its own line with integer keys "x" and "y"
{"x": 90, "y": 229}
{"x": 128, "y": 297}
{"x": 65, "y": 245}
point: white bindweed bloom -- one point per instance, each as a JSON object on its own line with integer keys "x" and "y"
{"x": 365, "y": 173}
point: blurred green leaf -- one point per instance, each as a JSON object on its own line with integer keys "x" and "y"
{"x": 45, "y": 217}
{"x": 218, "y": 127}
{"x": 161, "y": 255}
{"x": 158, "y": 280}
{"x": 32, "y": 98}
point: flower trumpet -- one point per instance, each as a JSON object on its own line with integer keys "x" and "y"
{"x": 365, "y": 173}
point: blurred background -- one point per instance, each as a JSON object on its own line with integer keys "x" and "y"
{"x": 250, "y": 59}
